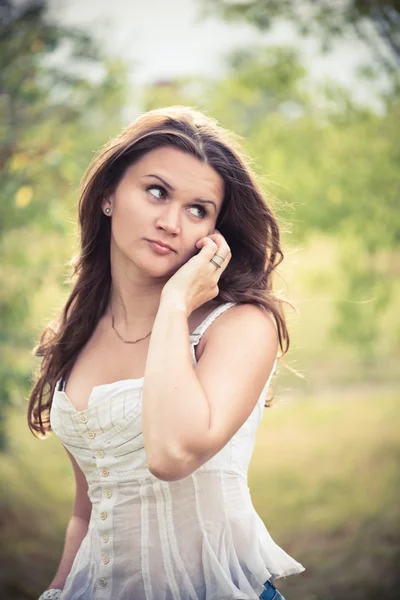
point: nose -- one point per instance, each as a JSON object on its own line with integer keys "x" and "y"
{"x": 169, "y": 219}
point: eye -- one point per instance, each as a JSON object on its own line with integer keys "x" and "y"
{"x": 203, "y": 210}
{"x": 162, "y": 194}
{"x": 159, "y": 188}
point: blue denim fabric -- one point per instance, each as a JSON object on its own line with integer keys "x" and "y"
{"x": 270, "y": 592}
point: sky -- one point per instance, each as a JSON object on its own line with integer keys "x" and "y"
{"x": 161, "y": 39}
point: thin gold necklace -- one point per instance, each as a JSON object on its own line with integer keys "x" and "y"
{"x": 120, "y": 336}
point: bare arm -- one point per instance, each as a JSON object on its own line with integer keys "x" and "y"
{"x": 189, "y": 413}
{"x": 76, "y": 529}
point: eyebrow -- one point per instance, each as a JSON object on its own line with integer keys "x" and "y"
{"x": 172, "y": 189}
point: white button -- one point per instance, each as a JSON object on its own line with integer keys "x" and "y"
{"x": 91, "y": 434}
{"x": 105, "y": 472}
{"x": 103, "y": 582}
{"x": 100, "y": 453}
{"x": 103, "y": 515}
{"x": 108, "y": 492}
{"x": 105, "y": 538}
{"x": 83, "y": 419}
{"x": 106, "y": 560}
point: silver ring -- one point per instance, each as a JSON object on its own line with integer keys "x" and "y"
{"x": 215, "y": 263}
{"x": 220, "y": 255}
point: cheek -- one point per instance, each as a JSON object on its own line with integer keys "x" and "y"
{"x": 189, "y": 245}
{"x": 201, "y": 232}
{"x": 189, "y": 239}
{"x": 126, "y": 204}
{"x": 129, "y": 215}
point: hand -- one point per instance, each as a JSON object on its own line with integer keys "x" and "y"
{"x": 196, "y": 282}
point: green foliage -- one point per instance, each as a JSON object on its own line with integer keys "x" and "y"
{"x": 60, "y": 99}
{"x": 333, "y": 164}
{"x": 374, "y": 22}
{"x": 334, "y": 167}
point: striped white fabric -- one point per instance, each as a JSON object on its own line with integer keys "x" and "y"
{"x": 198, "y": 538}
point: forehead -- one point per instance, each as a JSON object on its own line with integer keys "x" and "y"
{"x": 182, "y": 171}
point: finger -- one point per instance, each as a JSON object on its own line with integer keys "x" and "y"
{"x": 219, "y": 240}
{"x": 207, "y": 244}
{"x": 222, "y": 258}
{"x": 215, "y": 244}
{"x": 222, "y": 263}
{"x": 216, "y": 236}
{"x": 222, "y": 247}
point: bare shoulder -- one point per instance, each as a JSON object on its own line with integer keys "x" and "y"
{"x": 238, "y": 358}
{"x": 245, "y": 322}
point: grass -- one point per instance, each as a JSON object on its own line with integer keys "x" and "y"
{"x": 325, "y": 479}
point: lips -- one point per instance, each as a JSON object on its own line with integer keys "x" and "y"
{"x": 162, "y": 244}
{"x": 163, "y": 250}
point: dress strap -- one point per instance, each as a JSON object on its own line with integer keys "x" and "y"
{"x": 60, "y": 385}
{"x": 198, "y": 332}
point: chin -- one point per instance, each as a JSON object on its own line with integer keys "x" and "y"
{"x": 157, "y": 268}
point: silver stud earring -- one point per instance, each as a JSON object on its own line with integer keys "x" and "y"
{"x": 107, "y": 211}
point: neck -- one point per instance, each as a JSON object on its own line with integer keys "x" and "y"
{"x": 134, "y": 307}
{"x": 134, "y": 299}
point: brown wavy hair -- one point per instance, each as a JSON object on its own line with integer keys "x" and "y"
{"x": 245, "y": 220}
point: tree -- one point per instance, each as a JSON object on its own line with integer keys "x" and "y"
{"x": 336, "y": 168}
{"x": 55, "y": 113}
{"x": 375, "y": 22}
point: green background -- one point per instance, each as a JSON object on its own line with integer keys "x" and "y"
{"x": 325, "y": 473}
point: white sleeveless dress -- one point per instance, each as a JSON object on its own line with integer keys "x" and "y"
{"x": 198, "y": 538}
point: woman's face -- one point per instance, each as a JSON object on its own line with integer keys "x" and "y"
{"x": 167, "y": 195}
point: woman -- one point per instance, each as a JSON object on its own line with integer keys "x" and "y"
{"x": 156, "y": 400}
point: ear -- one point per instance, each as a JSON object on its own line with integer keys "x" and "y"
{"x": 106, "y": 203}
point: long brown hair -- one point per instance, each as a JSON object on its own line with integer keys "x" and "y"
{"x": 245, "y": 220}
